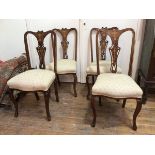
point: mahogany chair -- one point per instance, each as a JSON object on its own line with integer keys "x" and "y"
{"x": 35, "y": 80}
{"x": 117, "y": 86}
{"x": 101, "y": 46}
{"x": 65, "y": 66}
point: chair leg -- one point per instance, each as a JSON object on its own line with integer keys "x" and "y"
{"x": 100, "y": 99}
{"x": 57, "y": 76}
{"x": 56, "y": 89}
{"x": 94, "y": 112}
{"x": 145, "y": 93}
{"x": 88, "y": 86}
{"x": 138, "y": 79}
{"x": 37, "y": 96}
{"x": 124, "y": 103}
{"x": 137, "y": 110}
{"x": 93, "y": 79}
{"x": 14, "y": 102}
{"x": 46, "y": 97}
{"x": 74, "y": 85}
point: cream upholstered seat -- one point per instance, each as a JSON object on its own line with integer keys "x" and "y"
{"x": 104, "y": 67}
{"x": 63, "y": 66}
{"x": 116, "y": 86}
{"x": 32, "y": 80}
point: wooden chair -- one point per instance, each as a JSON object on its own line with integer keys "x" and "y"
{"x": 35, "y": 80}
{"x": 117, "y": 86}
{"x": 65, "y": 66}
{"x": 101, "y": 46}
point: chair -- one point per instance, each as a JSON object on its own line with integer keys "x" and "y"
{"x": 35, "y": 80}
{"x": 101, "y": 45}
{"x": 65, "y": 66}
{"x": 113, "y": 85}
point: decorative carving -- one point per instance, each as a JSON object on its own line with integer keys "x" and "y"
{"x": 114, "y": 50}
{"x": 103, "y": 43}
{"x": 64, "y": 43}
{"x": 101, "y": 48}
{"x": 41, "y": 50}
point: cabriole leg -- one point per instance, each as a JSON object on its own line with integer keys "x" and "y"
{"x": 137, "y": 110}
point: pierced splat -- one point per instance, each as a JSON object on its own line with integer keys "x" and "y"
{"x": 103, "y": 43}
{"x": 114, "y": 50}
{"x": 64, "y": 43}
{"x": 41, "y": 50}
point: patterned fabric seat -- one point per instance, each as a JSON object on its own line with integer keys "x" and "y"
{"x": 32, "y": 80}
{"x": 63, "y": 66}
{"x": 116, "y": 86}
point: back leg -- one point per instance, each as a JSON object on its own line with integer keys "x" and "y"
{"x": 37, "y": 96}
{"x": 124, "y": 103}
{"x": 14, "y": 102}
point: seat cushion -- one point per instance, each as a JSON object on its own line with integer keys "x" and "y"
{"x": 32, "y": 80}
{"x": 116, "y": 86}
{"x": 104, "y": 67}
{"x": 63, "y": 66}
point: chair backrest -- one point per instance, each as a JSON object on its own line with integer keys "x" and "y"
{"x": 41, "y": 49}
{"x": 114, "y": 33}
{"x": 64, "y": 43}
{"x": 101, "y": 43}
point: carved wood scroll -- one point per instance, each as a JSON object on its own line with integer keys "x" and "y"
{"x": 41, "y": 50}
{"x": 102, "y": 46}
{"x": 64, "y": 43}
{"x": 114, "y": 33}
{"x": 114, "y": 50}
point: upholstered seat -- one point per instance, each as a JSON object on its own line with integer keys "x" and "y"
{"x": 64, "y": 66}
{"x": 104, "y": 67}
{"x": 116, "y": 86}
{"x": 32, "y": 80}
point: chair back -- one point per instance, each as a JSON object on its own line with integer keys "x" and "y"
{"x": 101, "y": 43}
{"x": 64, "y": 42}
{"x": 114, "y": 33}
{"x": 41, "y": 49}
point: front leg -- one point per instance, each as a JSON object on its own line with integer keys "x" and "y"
{"x": 46, "y": 97}
{"x": 137, "y": 110}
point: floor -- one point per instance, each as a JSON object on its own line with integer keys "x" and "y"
{"x": 73, "y": 115}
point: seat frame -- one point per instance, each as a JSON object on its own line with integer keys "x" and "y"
{"x": 41, "y": 50}
{"x": 114, "y": 33}
{"x": 64, "y": 32}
